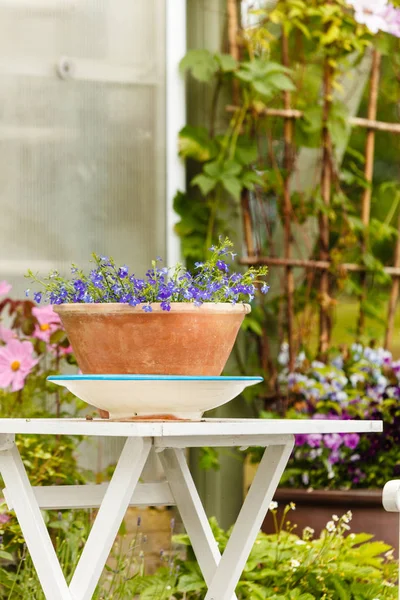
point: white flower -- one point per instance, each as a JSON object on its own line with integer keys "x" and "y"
{"x": 330, "y": 526}
{"x": 335, "y": 518}
{"x": 273, "y": 505}
{"x": 352, "y": 536}
{"x": 294, "y": 564}
{"x": 388, "y": 584}
{"x": 370, "y": 13}
{"x": 292, "y": 506}
{"x": 300, "y": 542}
{"x": 347, "y": 517}
{"x": 355, "y": 378}
{"x": 308, "y": 531}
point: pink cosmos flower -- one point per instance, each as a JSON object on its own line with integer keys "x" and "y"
{"x": 6, "y": 334}
{"x": 49, "y": 322}
{"x": 16, "y": 362}
{"x": 4, "y": 288}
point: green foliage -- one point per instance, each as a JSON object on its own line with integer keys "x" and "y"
{"x": 285, "y": 566}
{"x": 203, "y": 65}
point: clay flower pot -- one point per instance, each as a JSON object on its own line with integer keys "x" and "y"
{"x": 120, "y": 339}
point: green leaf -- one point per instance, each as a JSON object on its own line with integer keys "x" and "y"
{"x": 233, "y": 186}
{"x": 6, "y": 555}
{"x": 227, "y": 62}
{"x": 246, "y": 150}
{"x": 251, "y": 178}
{"x": 191, "y": 582}
{"x": 194, "y": 142}
{"x": 263, "y": 88}
{"x": 201, "y": 63}
{"x": 206, "y": 184}
{"x": 281, "y": 82}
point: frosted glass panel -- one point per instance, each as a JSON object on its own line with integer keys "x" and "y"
{"x": 82, "y": 133}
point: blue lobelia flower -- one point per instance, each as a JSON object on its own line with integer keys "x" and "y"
{"x": 265, "y": 288}
{"x": 37, "y": 296}
{"x": 147, "y": 308}
{"x": 79, "y": 285}
{"x": 123, "y": 272}
{"x": 222, "y": 266}
{"x": 166, "y": 306}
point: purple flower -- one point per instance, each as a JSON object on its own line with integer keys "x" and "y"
{"x": 333, "y": 441}
{"x": 166, "y": 306}
{"x": 79, "y": 285}
{"x": 314, "y": 440}
{"x": 351, "y": 440}
{"x": 333, "y": 457}
{"x": 222, "y": 266}
{"x": 301, "y": 439}
{"x": 265, "y": 288}
{"x": 37, "y": 297}
{"x": 123, "y": 272}
{"x": 147, "y": 308}
{"x": 97, "y": 279}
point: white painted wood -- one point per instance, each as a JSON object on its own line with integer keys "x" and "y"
{"x": 91, "y": 496}
{"x": 198, "y": 441}
{"x": 249, "y": 521}
{"x": 391, "y": 496}
{"x": 192, "y": 512}
{"x": 207, "y": 427}
{"x": 36, "y": 536}
{"x": 175, "y": 19}
{"x": 109, "y": 518}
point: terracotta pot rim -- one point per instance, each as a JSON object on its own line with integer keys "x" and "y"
{"x": 176, "y": 308}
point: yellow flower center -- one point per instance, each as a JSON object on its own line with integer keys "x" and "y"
{"x": 15, "y": 365}
{"x": 44, "y": 327}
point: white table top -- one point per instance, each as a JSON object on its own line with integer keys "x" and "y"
{"x": 205, "y": 427}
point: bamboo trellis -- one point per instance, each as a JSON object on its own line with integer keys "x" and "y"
{"x": 324, "y": 265}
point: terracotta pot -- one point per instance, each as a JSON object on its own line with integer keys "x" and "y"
{"x": 120, "y": 339}
{"x": 315, "y": 508}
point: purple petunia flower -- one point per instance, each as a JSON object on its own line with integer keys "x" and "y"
{"x": 333, "y": 441}
{"x": 314, "y": 440}
{"x": 351, "y": 440}
{"x": 334, "y": 457}
{"x": 301, "y": 439}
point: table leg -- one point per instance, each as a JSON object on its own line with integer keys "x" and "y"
{"x": 249, "y": 521}
{"x": 36, "y": 536}
{"x": 192, "y": 512}
{"x": 109, "y": 517}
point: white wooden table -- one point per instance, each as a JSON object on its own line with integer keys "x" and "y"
{"x": 168, "y": 440}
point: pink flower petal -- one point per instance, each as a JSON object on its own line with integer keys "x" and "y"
{"x": 5, "y": 287}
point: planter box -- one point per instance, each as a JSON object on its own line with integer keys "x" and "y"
{"x": 315, "y": 508}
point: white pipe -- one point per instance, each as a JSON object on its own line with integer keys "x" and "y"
{"x": 175, "y": 118}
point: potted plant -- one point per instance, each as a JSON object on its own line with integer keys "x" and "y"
{"x": 328, "y": 473}
{"x": 169, "y": 322}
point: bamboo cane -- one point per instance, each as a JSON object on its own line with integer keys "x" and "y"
{"x": 368, "y": 173}
{"x": 287, "y": 209}
{"x": 394, "y": 294}
{"x": 326, "y": 178}
{"x": 293, "y": 113}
